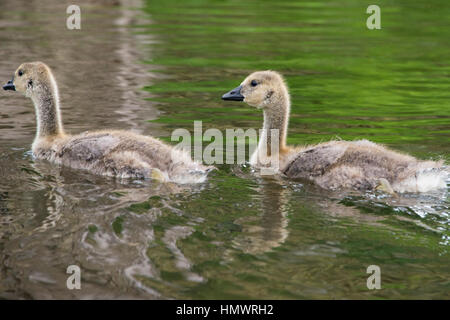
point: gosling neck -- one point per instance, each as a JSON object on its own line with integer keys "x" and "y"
{"x": 276, "y": 116}
{"x": 48, "y": 117}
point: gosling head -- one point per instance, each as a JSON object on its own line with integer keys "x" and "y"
{"x": 31, "y": 78}
{"x": 261, "y": 89}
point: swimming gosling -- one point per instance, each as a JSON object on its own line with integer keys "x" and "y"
{"x": 361, "y": 164}
{"x": 115, "y": 153}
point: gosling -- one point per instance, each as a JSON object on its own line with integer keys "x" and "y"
{"x": 361, "y": 164}
{"x": 116, "y": 153}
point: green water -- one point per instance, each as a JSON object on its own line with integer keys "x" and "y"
{"x": 346, "y": 81}
{"x": 238, "y": 235}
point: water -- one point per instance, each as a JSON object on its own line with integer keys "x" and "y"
{"x": 156, "y": 66}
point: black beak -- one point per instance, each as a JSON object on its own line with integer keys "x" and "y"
{"x": 9, "y": 86}
{"x": 234, "y": 95}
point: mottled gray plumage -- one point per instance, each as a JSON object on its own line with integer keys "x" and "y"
{"x": 354, "y": 164}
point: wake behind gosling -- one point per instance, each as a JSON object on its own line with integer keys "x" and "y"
{"x": 115, "y": 153}
{"x": 361, "y": 165}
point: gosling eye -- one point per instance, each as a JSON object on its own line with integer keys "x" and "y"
{"x": 20, "y": 73}
{"x": 254, "y": 83}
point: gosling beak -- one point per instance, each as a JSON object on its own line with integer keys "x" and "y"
{"x": 9, "y": 86}
{"x": 234, "y": 95}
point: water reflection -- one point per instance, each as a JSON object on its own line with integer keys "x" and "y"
{"x": 73, "y": 214}
{"x": 268, "y": 230}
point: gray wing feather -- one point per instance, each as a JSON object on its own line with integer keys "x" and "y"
{"x": 314, "y": 162}
{"x": 89, "y": 148}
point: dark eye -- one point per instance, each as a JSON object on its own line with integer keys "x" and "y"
{"x": 254, "y": 83}
{"x": 20, "y": 73}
